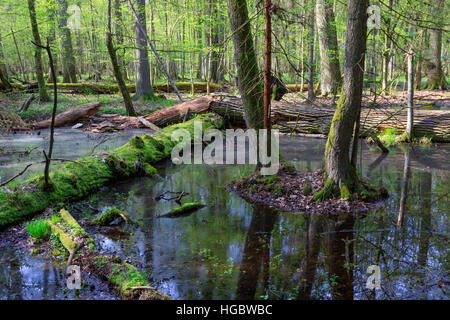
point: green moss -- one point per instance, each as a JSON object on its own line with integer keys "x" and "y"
{"x": 185, "y": 209}
{"x": 137, "y": 142}
{"x": 74, "y": 181}
{"x": 109, "y": 216}
{"x": 326, "y": 191}
{"x": 345, "y": 192}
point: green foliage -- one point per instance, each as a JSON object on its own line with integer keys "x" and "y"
{"x": 38, "y": 229}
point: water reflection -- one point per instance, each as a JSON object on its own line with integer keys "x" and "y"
{"x": 234, "y": 250}
{"x": 256, "y": 255}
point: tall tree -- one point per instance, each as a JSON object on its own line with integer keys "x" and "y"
{"x": 341, "y": 175}
{"x": 143, "y": 85}
{"x": 330, "y": 75}
{"x": 3, "y": 72}
{"x": 51, "y": 9}
{"x": 119, "y": 36}
{"x": 249, "y": 81}
{"x": 311, "y": 95}
{"x": 68, "y": 59}
{"x": 116, "y": 68}
{"x": 436, "y": 78}
{"x": 43, "y": 96}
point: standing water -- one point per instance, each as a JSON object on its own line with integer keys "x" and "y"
{"x": 232, "y": 249}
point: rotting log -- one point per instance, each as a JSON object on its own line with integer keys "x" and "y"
{"x": 177, "y": 112}
{"x": 73, "y": 181}
{"x": 123, "y": 277}
{"x": 71, "y": 116}
{"x": 112, "y": 88}
{"x": 184, "y": 210}
{"x": 308, "y": 118}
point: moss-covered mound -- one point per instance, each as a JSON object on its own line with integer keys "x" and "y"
{"x": 74, "y": 181}
{"x": 110, "y": 215}
{"x": 185, "y": 209}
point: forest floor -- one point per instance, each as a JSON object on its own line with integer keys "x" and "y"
{"x": 112, "y": 103}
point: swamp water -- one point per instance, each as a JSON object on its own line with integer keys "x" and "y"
{"x": 232, "y": 249}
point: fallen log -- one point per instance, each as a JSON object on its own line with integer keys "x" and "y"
{"x": 71, "y": 116}
{"x": 72, "y": 181}
{"x": 177, "y": 112}
{"x": 309, "y": 118}
{"x": 112, "y": 88}
{"x": 121, "y": 275}
{"x": 27, "y": 103}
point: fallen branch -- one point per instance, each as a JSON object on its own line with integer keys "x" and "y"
{"x": 16, "y": 176}
{"x": 27, "y": 103}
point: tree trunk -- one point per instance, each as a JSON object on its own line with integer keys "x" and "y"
{"x": 386, "y": 53}
{"x": 143, "y": 84}
{"x": 4, "y": 80}
{"x": 68, "y": 59}
{"x": 250, "y": 84}
{"x": 3, "y": 72}
{"x": 51, "y": 39}
{"x": 311, "y": 95}
{"x": 43, "y": 96}
{"x": 410, "y": 120}
{"x": 119, "y": 37}
{"x": 340, "y": 173}
{"x": 330, "y": 75}
{"x": 116, "y": 67}
{"x": 436, "y": 78}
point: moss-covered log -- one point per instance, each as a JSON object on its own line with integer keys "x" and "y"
{"x": 125, "y": 278}
{"x": 184, "y": 210}
{"x": 111, "y": 88}
{"x": 73, "y": 181}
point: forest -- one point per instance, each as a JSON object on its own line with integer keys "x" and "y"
{"x": 224, "y": 150}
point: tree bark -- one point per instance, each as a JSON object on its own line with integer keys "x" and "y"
{"x": 3, "y": 72}
{"x": 340, "y": 173}
{"x": 43, "y": 95}
{"x": 116, "y": 67}
{"x": 330, "y": 75}
{"x": 119, "y": 36}
{"x": 311, "y": 95}
{"x": 68, "y": 59}
{"x": 249, "y": 81}
{"x": 143, "y": 85}
{"x": 410, "y": 119}
{"x": 436, "y": 78}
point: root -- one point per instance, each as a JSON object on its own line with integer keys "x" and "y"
{"x": 361, "y": 190}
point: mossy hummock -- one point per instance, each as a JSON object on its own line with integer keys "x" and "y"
{"x": 75, "y": 180}
{"x": 110, "y": 215}
{"x": 184, "y": 210}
